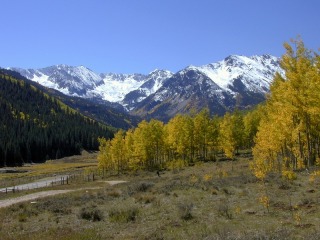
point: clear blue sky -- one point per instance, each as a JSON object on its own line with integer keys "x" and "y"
{"x": 128, "y": 36}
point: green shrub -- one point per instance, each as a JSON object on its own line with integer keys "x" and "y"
{"x": 128, "y": 214}
{"x": 145, "y": 198}
{"x": 185, "y": 210}
{"x": 144, "y": 186}
{"x": 115, "y": 193}
{"x": 22, "y": 217}
{"x": 140, "y": 187}
{"x": 224, "y": 209}
{"x": 91, "y": 213}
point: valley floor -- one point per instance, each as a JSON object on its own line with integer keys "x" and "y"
{"x": 213, "y": 200}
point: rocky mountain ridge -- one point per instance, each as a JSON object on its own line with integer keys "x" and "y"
{"x": 236, "y": 81}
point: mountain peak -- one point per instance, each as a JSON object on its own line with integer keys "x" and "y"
{"x": 157, "y": 71}
{"x": 215, "y": 83}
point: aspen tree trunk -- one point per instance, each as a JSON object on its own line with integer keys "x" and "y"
{"x": 309, "y": 145}
{"x": 300, "y": 146}
{"x": 317, "y": 147}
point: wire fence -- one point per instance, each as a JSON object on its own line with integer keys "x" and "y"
{"x": 33, "y": 183}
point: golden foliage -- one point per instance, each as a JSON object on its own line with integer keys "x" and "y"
{"x": 287, "y": 134}
{"x": 289, "y": 175}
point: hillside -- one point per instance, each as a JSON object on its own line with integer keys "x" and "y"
{"x": 35, "y": 126}
{"x": 111, "y": 114}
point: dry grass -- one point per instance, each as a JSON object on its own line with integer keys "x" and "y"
{"x": 67, "y": 165}
{"x": 206, "y": 201}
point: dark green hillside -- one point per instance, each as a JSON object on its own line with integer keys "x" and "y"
{"x": 108, "y": 113}
{"x": 35, "y": 126}
{"x": 98, "y": 111}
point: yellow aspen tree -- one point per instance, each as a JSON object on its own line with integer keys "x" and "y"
{"x": 104, "y": 155}
{"x": 156, "y": 146}
{"x": 213, "y": 137}
{"x": 174, "y": 137}
{"x": 140, "y": 135}
{"x": 251, "y": 121}
{"x": 201, "y": 126}
{"x": 179, "y": 137}
{"x": 289, "y": 134}
{"x": 118, "y": 151}
{"x": 188, "y": 142}
{"x": 129, "y": 149}
{"x": 227, "y": 140}
{"x": 238, "y": 129}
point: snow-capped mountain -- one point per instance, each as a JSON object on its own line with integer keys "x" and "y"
{"x": 154, "y": 81}
{"x": 236, "y": 81}
{"x": 73, "y": 81}
{"x": 83, "y": 82}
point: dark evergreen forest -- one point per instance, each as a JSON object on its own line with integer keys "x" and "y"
{"x": 35, "y": 126}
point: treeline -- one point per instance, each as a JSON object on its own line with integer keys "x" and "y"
{"x": 184, "y": 140}
{"x": 289, "y": 134}
{"x": 35, "y": 126}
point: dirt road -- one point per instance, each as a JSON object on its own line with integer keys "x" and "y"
{"x": 114, "y": 182}
{"x": 34, "y": 196}
{"x": 30, "y": 197}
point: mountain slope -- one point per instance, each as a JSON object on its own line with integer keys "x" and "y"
{"x": 237, "y": 81}
{"x": 73, "y": 81}
{"x": 102, "y": 111}
{"x": 66, "y": 83}
{"x": 153, "y": 82}
{"x": 83, "y": 82}
{"x": 35, "y": 126}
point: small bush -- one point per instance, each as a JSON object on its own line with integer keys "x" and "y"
{"x": 146, "y": 198}
{"x": 128, "y": 214}
{"x": 144, "y": 186}
{"x": 176, "y": 165}
{"x": 185, "y": 210}
{"x": 22, "y": 217}
{"x": 207, "y": 177}
{"x": 289, "y": 175}
{"x": 224, "y": 209}
{"x": 23, "y": 211}
{"x": 114, "y": 193}
{"x": 56, "y": 205}
{"x": 140, "y": 187}
{"x": 91, "y": 213}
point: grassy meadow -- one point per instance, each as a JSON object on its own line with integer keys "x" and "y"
{"x": 211, "y": 200}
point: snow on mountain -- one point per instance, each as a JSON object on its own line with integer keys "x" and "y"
{"x": 83, "y": 82}
{"x": 116, "y": 86}
{"x": 220, "y": 84}
{"x": 236, "y": 81}
{"x": 73, "y": 81}
{"x": 256, "y": 72}
{"x": 153, "y": 82}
